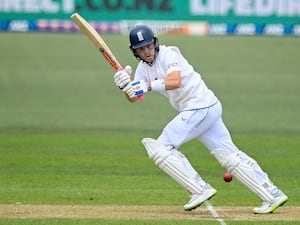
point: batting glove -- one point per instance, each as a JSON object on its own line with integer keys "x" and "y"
{"x": 122, "y": 77}
{"x": 136, "y": 88}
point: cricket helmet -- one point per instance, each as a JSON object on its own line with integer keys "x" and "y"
{"x": 140, "y": 36}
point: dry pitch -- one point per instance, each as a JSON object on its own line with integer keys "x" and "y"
{"x": 285, "y": 213}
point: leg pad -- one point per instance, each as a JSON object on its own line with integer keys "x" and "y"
{"x": 170, "y": 164}
{"x": 244, "y": 171}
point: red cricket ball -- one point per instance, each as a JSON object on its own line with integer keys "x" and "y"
{"x": 227, "y": 177}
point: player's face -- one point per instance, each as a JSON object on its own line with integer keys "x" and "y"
{"x": 147, "y": 52}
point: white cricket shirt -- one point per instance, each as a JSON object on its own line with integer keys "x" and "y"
{"x": 193, "y": 93}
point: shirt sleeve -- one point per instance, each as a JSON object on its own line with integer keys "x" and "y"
{"x": 171, "y": 61}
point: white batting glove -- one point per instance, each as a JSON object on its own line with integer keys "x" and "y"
{"x": 122, "y": 77}
{"x": 136, "y": 88}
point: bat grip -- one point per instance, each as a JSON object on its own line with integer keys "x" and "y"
{"x": 140, "y": 97}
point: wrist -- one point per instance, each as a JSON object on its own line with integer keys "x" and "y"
{"x": 157, "y": 85}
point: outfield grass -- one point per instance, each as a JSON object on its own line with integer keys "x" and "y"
{"x": 67, "y": 136}
{"x": 59, "y": 82}
{"x": 111, "y": 169}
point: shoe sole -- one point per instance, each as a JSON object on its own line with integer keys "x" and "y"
{"x": 196, "y": 206}
{"x": 274, "y": 207}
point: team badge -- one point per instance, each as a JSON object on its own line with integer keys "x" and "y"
{"x": 140, "y": 36}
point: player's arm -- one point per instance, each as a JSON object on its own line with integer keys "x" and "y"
{"x": 133, "y": 89}
{"x": 173, "y": 78}
{"x": 172, "y": 81}
{"x": 140, "y": 87}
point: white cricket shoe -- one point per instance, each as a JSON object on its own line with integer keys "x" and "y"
{"x": 197, "y": 199}
{"x": 269, "y": 207}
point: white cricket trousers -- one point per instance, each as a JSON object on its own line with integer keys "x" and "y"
{"x": 204, "y": 124}
{"x": 207, "y": 126}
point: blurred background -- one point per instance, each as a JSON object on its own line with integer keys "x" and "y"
{"x": 193, "y": 17}
{"x": 53, "y": 79}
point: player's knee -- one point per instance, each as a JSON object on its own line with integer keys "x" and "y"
{"x": 157, "y": 151}
{"x": 227, "y": 159}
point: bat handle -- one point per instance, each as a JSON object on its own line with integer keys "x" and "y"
{"x": 140, "y": 97}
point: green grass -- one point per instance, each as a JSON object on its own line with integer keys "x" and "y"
{"x": 67, "y": 135}
{"x": 73, "y": 169}
{"x": 59, "y": 82}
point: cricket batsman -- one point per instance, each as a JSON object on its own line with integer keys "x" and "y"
{"x": 163, "y": 69}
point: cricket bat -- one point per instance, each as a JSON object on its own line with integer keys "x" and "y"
{"x": 99, "y": 43}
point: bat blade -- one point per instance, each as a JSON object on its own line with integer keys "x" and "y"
{"x": 99, "y": 43}
{"x": 97, "y": 40}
